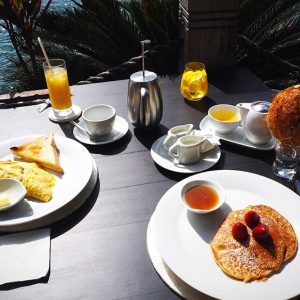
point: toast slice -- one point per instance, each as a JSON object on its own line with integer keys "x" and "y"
{"x": 42, "y": 151}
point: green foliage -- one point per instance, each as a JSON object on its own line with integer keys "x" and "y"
{"x": 20, "y": 18}
{"x": 157, "y": 20}
{"x": 102, "y": 34}
{"x": 269, "y": 40}
{"x": 96, "y": 35}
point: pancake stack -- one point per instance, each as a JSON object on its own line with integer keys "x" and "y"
{"x": 250, "y": 259}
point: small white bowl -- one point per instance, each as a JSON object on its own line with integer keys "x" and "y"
{"x": 224, "y": 127}
{"x": 99, "y": 119}
{"x": 215, "y": 186}
{"x": 14, "y": 189}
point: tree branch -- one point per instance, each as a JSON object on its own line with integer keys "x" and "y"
{"x": 42, "y": 13}
{"x": 12, "y": 36}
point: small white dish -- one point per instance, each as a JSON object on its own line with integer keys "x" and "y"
{"x": 211, "y": 184}
{"x": 75, "y": 114}
{"x": 236, "y": 137}
{"x": 120, "y": 128}
{"x": 15, "y": 191}
{"x": 162, "y": 157}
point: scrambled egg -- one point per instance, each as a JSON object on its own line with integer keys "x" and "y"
{"x": 38, "y": 182}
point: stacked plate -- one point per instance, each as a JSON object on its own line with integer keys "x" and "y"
{"x": 71, "y": 189}
{"x": 179, "y": 241}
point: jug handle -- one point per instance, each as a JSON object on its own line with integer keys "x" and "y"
{"x": 144, "y": 107}
{"x": 171, "y": 151}
{"x": 244, "y": 109}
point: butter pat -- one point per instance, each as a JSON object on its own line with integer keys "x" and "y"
{"x": 4, "y": 199}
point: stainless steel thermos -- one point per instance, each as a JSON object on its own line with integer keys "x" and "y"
{"x": 145, "y": 107}
{"x": 144, "y": 101}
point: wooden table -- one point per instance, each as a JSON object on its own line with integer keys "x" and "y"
{"x": 100, "y": 251}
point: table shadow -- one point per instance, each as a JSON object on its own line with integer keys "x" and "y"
{"x": 266, "y": 156}
{"x": 67, "y": 223}
{"x": 19, "y": 284}
{"x": 203, "y": 105}
{"x": 148, "y": 137}
{"x": 243, "y": 81}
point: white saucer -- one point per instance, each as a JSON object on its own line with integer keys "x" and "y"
{"x": 119, "y": 130}
{"x": 76, "y": 113}
{"x": 236, "y": 137}
{"x": 162, "y": 157}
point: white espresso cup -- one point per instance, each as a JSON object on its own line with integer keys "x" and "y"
{"x": 175, "y": 133}
{"x": 99, "y": 119}
{"x": 187, "y": 149}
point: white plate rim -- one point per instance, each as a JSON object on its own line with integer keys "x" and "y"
{"x": 188, "y": 169}
{"x": 178, "y": 286}
{"x": 224, "y": 287}
{"x": 79, "y": 136}
{"x": 244, "y": 143}
{"x": 86, "y": 172}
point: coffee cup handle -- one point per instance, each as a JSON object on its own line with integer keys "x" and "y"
{"x": 171, "y": 151}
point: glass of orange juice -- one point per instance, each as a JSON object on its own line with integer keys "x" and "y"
{"x": 58, "y": 87}
{"x": 194, "y": 85}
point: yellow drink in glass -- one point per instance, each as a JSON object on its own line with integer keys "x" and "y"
{"x": 58, "y": 87}
{"x": 194, "y": 84}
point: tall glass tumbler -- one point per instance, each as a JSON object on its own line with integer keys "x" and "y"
{"x": 58, "y": 86}
{"x": 285, "y": 164}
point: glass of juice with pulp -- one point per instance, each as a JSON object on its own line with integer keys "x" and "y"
{"x": 194, "y": 85}
{"x": 58, "y": 87}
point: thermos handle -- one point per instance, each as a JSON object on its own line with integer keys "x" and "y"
{"x": 144, "y": 107}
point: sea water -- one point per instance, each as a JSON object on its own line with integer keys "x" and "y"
{"x": 7, "y": 51}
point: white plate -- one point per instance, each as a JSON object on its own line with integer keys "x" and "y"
{"x": 119, "y": 130}
{"x": 163, "y": 158}
{"x": 183, "y": 238}
{"x": 77, "y": 164}
{"x": 236, "y": 137}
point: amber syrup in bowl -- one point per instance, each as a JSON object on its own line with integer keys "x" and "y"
{"x": 202, "y": 196}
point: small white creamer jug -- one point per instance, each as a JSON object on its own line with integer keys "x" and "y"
{"x": 175, "y": 133}
{"x": 253, "y": 117}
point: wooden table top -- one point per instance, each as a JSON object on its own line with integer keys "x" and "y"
{"x": 100, "y": 251}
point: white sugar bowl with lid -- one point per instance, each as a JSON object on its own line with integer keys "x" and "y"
{"x": 253, "y": 116}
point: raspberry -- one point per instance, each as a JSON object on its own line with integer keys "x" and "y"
{"x": 252, "y": 219}
{"x": 261, "y": 232}
{"x": 239, "y": 231}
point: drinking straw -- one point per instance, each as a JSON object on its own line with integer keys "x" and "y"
{"x": 44, "y": 52}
